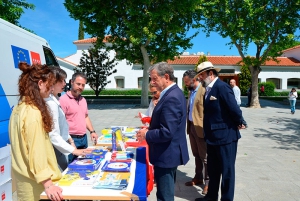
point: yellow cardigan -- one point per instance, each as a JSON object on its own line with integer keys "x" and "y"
{"x": 33, "y": 157}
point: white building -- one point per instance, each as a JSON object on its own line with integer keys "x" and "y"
{"x": 285, "y": 74}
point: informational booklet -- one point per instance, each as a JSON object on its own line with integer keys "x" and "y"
{"x": 91, "y": 164}
{"x": 114, "y": 166}
{"x": 79, "y": 178}
{"x": 112, "y": 180}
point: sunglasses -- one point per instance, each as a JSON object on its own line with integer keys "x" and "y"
{"x": 153, "y": 93}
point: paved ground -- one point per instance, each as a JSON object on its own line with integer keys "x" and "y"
{"x": 268, "y": 158}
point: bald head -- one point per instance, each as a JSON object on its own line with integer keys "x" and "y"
{"x": 232, "y": 83}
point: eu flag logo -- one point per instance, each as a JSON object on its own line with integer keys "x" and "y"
{"x": 20, "y": 55}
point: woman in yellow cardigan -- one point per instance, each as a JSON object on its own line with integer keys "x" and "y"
{"x": 33, "y": 159}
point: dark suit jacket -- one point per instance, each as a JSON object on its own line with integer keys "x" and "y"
{"x": 166, "y": 135}
{"x": 222, "y": 116}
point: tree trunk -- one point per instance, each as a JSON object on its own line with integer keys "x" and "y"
{"x": 145, "y": 97}
{"x": 254, "y": 77}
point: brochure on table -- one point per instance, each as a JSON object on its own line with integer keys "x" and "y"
{"x": 136, "y": 189}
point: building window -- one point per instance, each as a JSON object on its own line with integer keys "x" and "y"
{"x": 293, "y": 82}
{"x": 120, "y": 82}
{"x": 140, "y": 82}
{"x": 276, "y": 81}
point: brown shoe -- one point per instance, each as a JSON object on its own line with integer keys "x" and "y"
{"x": 205, "y": 190}
{"x": 194, "y": 182}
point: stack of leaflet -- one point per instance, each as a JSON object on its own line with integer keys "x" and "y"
{"x": 116, "y": 166}
{"x": 115, "y": 172}
{"x": 84, "y": 170}
{"x": 79, "y": 178}
{"x": 121, "y": 156}
{"x": 90, "y": 162}
{"x": 112, "y": 180}
{"x": 128, "y": 134}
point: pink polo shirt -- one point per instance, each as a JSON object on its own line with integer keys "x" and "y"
{"x": 76, "y": 111}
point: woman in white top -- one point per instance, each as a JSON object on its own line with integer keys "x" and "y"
{"x": 60, "y": 133}
{"x": 292, "y": 98}
{"x": 155, "y": 96}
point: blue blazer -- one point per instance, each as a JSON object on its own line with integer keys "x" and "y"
{"x": 222, "y": 115}
{"x": 166, "y": 136}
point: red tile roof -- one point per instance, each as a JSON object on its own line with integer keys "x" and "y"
{"x": 231, "y": 60}
{"x": 292, "y": 48}
{"x": 90, "y": 40}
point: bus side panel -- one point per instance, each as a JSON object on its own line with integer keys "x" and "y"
{"x": 11, "y": 41}
{"x": 4, "y": 119}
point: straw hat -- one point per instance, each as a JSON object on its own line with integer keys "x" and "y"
{"x": 204, "y": 66}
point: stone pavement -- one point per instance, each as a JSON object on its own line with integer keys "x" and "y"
{"x": 268, "y": 158}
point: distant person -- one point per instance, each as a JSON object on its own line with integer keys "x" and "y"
{"x": 293, "y": 98}
{"x": 262, "y": 90}
{"x": 195, "y": 129}
{"x": 60, "y": 138}
{"x": 221, "y": 124}
{"x": 155, "y": 96}
{"x": 237, "y": 95}
{"x": 249, "y": 95}
{"x": 166, "y": 135}
{"x": 76, "y": 111}
{"x": 236, "y": 91}
{"x": 33, "y": 159}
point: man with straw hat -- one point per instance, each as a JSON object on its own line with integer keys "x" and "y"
{"x": 221, "y": 124}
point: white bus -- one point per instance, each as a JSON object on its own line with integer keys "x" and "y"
{"x": 17, "y": 45}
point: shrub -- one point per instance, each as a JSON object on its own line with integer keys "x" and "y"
{"x": 125, "y": 92}
{"x": 269, "y": 89}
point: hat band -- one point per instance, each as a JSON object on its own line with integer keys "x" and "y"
{"x": 207, "y": 68}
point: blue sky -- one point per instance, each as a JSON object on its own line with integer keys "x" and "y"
{"x": 51, "y": 20}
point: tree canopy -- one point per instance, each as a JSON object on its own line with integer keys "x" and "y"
{"x": 268, "y": 24}
{"x": 97, "y": 64}
{"x": 142, "y": 31}
{"x": 11, "y": 10}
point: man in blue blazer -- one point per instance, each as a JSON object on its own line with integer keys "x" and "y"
{"x": 166, "y": 135}
{"x": 221, "y": 124}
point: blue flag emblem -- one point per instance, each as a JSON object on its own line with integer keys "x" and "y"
{"x": 20, "y": 55}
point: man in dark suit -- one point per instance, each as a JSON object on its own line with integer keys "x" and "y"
{"x": 222, "y": 121}
{"x": 166, "y": 134}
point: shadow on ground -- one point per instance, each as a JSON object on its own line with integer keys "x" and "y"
{"x": 186, "y": 192}
{"x": 285, "y": 132}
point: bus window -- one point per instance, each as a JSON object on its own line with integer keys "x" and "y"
{"x": 49, "y": 56}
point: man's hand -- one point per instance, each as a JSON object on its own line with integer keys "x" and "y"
{"x": 141, "y": 134}
{"x": 94, "y": 138}
{"x": 155, "y": 101}
{"x": 241, "y": 126}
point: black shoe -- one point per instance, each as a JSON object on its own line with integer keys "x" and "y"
{"x": 205, "y": 199}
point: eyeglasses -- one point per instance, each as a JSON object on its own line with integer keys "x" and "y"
{"x": 153, "y": 93}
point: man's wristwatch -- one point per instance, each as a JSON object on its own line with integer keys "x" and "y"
{"x": 92, "y": 131}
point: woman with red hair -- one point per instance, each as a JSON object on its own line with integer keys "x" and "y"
{"x": 33, "y": 160}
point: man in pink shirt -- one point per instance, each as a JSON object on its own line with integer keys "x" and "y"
{"x": 76, "y": 111}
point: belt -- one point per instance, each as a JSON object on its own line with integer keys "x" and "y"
{"x": 78, "y": 136}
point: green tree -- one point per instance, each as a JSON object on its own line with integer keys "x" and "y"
{"x": 201, "y": 59}
{"x": 268, "y": 24}
{"x": 80, "y": 31}
{"x": 142, "y": 31}
{"x": 244, "y": 79}
{"x": 97, "y": 64}
{"x": 11, "y": 10}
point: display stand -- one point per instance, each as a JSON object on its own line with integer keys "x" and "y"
{"x": 136, "y": 189}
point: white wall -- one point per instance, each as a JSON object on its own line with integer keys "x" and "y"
{"x": 131, "y": 72}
